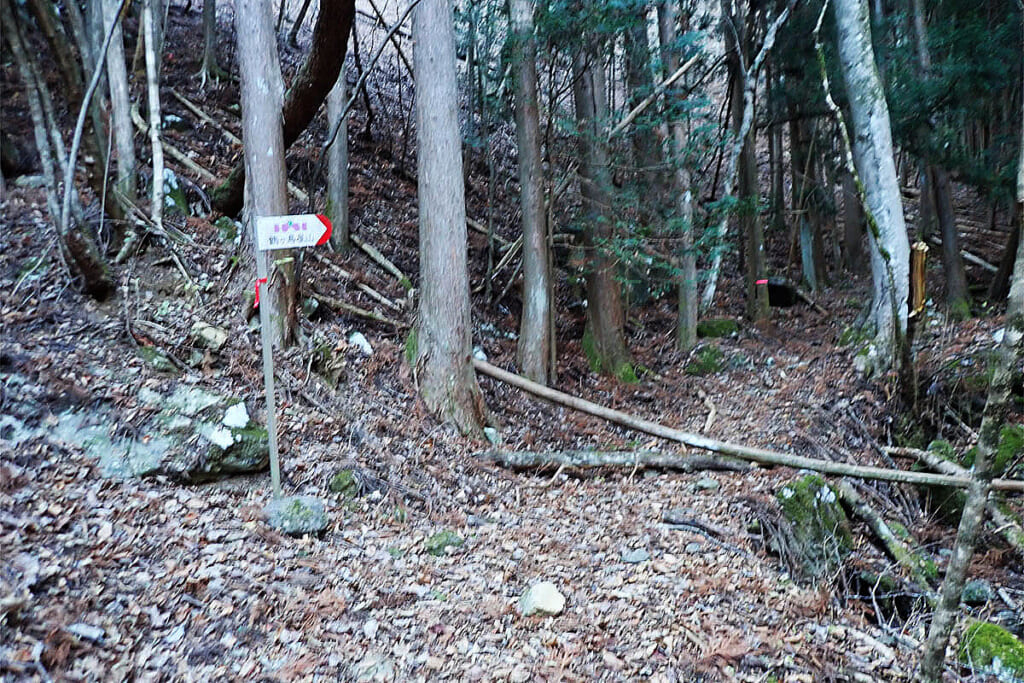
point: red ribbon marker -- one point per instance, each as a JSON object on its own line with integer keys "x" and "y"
{"x": 760, "y": 282}
{"x": 256, "y": 304}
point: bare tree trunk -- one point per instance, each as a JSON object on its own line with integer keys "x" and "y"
{"x": 737, "y": 40}
{"x": 262, "y": 89}
{"x": 873, "y": 155}
{"x": 604, "y": 339}
{"x": 309, "y": 89}
{"x": 853, "y": 228}
{"x": 736, "y": 147}
{"x": 1009, "y": 357}
{"x": 443, "y": 335}
{"x": 337, "y": 169}
{"x": 533, "y": 350}
{"x": 686, "y": 322}
{"x": 210, "y": 68}
{"x": 293, "y": 35}
{"x": 640, "y": 80}
{"x": 120, "y": 105}
{"x": 807, "y": 200}
{"x": 156, "y": 209}
{"x": 958, "y": 298}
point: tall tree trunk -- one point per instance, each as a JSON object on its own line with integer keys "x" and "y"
{"x": 873, "y": 155}
{"x": 775, "y": 154}
{"x": 309, "y": 89}
{"x": 443, "y": 362}
{"x": 604, "y": 339}
{"x": 262, "y": 89}
{"x": 337, "y": 166}
{"x": 737, "y": 41}
{"x": 807, "y": 201}
{"x": 533, "y": 351}
{"x": 853, "y": 225}
{"x": 640, "y": 80}
{"x": 1000, "y": 285}
{"x": 156, "y": 208}
{"x": 210, "y": 68}
{"x": 1010, "y": 354}
{"x": 686, "y": 322}
{"x": 958, "y": 298}
{"x": 120, "y": 105}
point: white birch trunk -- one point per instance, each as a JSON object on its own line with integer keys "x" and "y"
{"x": 873, "y": 155}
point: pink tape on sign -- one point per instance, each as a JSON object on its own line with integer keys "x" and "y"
{"x": 760, "y": 282}
{"x": 256, "y": 304}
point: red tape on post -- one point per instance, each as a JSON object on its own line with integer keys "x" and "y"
{"x": 259, "y": 280}
{"x": 760, "y": 282}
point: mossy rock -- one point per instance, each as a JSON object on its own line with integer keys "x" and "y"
{"x": 993, "y": 648}
{"x": 157, "y": 359}
{"x": 706, "y": 360}
{"x": 227, "y": 229}
{"x": 439, "y": 543}
{"x": 717, "y": 327}
{"x": 819, "y": 527}
{"x": 346, "y": 483}
{"x": 297, "y": 515}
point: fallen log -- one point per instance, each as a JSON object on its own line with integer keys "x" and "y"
{"x": 639, "y": 459}
{"x": 758, "y": 455}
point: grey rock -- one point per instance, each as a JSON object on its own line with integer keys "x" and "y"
{"x": 93, "y": 634}
{"x": 374, "y": 667}
{"x": 693, "y": 547}
{"x": 635, "y": 556}
{"x": 297, "y": 515}
{"x": 542, "y": 599}
{"x": 209, "y": 336}
{"x": 977, "y": 592}
{"x": 706, "y": 484}
{"x": 30, "y": 181}
{"x": 357, "y": 340}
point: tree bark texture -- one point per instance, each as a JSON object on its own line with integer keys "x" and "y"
{"x": 309, "y": 89}
{"x": 533, "y": 350}
{"x": 807, "y": 200}
{"x": 337, "y": 165}
{"x": 210, "y": 68}
{"x": 444, "y": 367}
{"x": 873, "y": 155}
{"x": 264, "y": 156}
{"x": 686, "y": 322}
{"x": 853, "y": 226}
{"x": 646, "y": 150}
{"x": 120, "y": 106}
{"x": 156, "y": 209}
{"x": 604, "y": 339}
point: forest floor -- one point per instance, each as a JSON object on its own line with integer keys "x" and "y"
{"x": 147, "y": 579}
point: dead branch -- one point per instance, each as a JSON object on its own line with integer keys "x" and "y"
{"x": 382, "y": 261}
{"x": 758, "y": 455}
{"x": 583, "y": 459}
{"x": 894, "y": 546}
{"x": 340, "y": 305}
{"x": 1007, "y": 525}
{"x": 367, "y": 289}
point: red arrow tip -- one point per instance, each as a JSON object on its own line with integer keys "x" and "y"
{"x": 327, "y": 234}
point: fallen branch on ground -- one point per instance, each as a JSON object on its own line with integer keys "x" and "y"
{"x": 894, "y": 546}
{"x": 1007, "y": 526}
{"x": 758, "y": 455}
{"x": 340, "y": 305}
{"x": 581, "y": 459}
{"x": 382, "y": 261}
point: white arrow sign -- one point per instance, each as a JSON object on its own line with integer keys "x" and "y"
{"x": 289, "y": 232}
